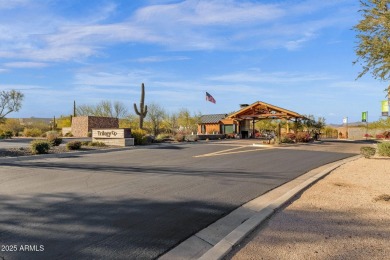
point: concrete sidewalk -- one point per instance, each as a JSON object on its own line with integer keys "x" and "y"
{"x": 346, "y": 215}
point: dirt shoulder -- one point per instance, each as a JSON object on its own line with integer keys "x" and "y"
{"x": 344, "y": 216}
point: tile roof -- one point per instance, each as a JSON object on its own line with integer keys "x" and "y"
{"x": 212, "y": 119}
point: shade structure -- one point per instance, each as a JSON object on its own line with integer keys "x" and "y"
{"x": 261, "y": 110}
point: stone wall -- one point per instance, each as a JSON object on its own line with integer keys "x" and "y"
{"x": 115, "y": 142}
{"x": 82, "y": 125}
{"x": 357, "y": 133}
{"x": 66, "y": 130}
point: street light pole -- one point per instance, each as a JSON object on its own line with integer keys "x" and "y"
{"x": 345, "y": 121}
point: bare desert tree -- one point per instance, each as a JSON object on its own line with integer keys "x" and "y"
{"x": 10, "y": 101}
{"x": 105, "y": 109}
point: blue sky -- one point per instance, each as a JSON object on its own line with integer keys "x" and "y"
{"x": 296, "y": 54}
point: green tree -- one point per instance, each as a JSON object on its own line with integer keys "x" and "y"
{"x": 266, "y": 124}
{"x": 131, "y": 121}
{"x": 382, "y": 124}
{"x": 64, "y": 121}
{"x": 155, "y": 118}
{"x": 105, "y": 109}
{"x": 10, "y": 101}
{"x": 312, "y": 125}
{"x": 373, "y": 34}
{"x": 187, "y": 121}
{"x": 170, "y": 124}
{"x": 12, "y": 125}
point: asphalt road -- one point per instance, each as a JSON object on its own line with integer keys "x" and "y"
{"x": 139, "y": 203}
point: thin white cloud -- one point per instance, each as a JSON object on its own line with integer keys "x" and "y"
{"x": 296, "y": 44}
{"x": 99, "y": 90}
{"x": 109, "y": 79}
{"x": 25, "y": 64}
{"x": 359, "y": 87}
{"x": 7, "y": 4}
{"x": 273, "y": 77}
{"x": 214, "y": 12}
{"x": 153, "y": 59}
{"x": 192, "y": 25}
{"x": 22, "y": 87}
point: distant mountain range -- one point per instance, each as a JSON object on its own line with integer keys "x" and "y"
{"x": 349, "y": 124}
{"x": 31, "y": 120}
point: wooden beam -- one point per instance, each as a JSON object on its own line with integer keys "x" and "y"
{"x": 264, "y": 115}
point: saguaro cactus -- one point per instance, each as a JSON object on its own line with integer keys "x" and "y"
{"x": 143, "y": 109}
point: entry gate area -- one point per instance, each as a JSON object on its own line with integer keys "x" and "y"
{"x": 259, "y": 110}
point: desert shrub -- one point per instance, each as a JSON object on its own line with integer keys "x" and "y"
{"x": 32, "y": 132}
{"x": 384, "y": 149}
{"x": 150, "y": 139}
{"x": 288, "y": 138}
{"x": 7, "y": 134}
{"x": 69, "y": 134}
{"x": 85, "y": 143}
{"x": 386, "y": 134}
{"x": 74, "y": 145}
{"x": 291, "y": 136}
{"x": 285, "y": 139}
{"x": 367, "y": 151}
{"x": 302, "y": 137}
{"x": 2, "y": 136}
{"x": 231, "y": 136}
{"x": 39, "y": 146}
{"x": 163, "y": 137}
{"x": 12, "y": 125}
{"x": 192, "y": 138}
{"x": 53, "y": 138}
{"x": 139, "y": 136}
{"x": 97, "y": 144}
{"x": 179, "y": 137}
{"x": 56, "y": 141}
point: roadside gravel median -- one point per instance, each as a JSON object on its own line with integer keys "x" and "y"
{"x": 346, "y": 215}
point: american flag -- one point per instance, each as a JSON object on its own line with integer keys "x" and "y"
{"x": 210, "y": 98}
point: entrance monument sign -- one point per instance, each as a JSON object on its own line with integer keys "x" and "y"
{"x": 114, "y": 136}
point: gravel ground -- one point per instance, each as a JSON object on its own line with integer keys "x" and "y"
{"x": 344, "y": 216}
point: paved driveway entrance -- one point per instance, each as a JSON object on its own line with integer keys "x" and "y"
{"x": 138, "y": 203}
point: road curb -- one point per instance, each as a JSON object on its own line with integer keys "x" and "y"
{"x": 199, "y": 246}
